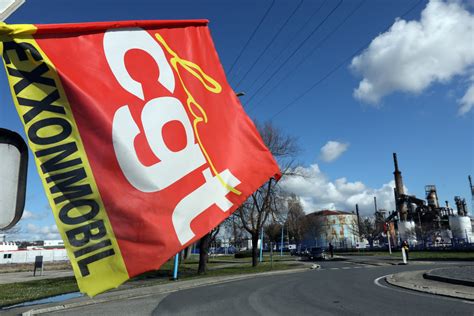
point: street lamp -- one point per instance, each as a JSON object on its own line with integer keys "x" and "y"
{"x": 13, "y": 169}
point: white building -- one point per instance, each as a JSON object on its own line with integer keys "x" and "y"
{"x": 29, "y": 255}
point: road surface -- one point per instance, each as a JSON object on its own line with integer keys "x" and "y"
{"x": 338, "y": 288}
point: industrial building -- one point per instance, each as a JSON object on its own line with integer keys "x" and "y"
{"x": 330, "y": 226}
{"x": 426, "y": 222}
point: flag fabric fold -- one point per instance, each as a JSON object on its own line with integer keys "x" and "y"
{"x": 140, "y": 142}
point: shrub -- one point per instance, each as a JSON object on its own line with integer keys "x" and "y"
{"x": 243, "y": 254}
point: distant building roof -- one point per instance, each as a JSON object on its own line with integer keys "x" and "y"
{"x": 331, "y": 212}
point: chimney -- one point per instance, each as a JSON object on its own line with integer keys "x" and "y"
{"x": 398, "y": 177}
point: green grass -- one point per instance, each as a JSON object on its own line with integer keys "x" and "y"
{"x": 262, "y": 267}
{"x": 15, "y": 293}
{"x": 218, "y": 266}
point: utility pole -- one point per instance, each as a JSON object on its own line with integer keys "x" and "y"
{"x": 358, "y": 220}
{"x": 472, "y": 193}
{"x": 282, "y": 236}
{"x": 388, "y": 238}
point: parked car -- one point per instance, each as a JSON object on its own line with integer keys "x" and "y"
{"x": 316, "y": 253}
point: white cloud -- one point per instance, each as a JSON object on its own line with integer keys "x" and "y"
{"x": 414, "y": 54}
{"x": 332, "y": 150}
{"x": 28, "y": 215}
{"x": 467, "y": 101}
{"x": 317, "y": 192}
{"x": 36, "y": 232}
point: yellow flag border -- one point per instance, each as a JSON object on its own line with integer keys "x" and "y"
{"x": 109, "y": 270}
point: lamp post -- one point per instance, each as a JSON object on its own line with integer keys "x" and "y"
{"x": 13, "y": 171}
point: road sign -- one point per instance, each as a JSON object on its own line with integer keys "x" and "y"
{"x": 38, "y": 265}
{"x": 13, "y": 168}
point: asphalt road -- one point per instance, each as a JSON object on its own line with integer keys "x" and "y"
{"x": 338, "y": 288}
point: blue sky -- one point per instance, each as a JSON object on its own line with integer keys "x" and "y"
{"x": 410, "y": 91}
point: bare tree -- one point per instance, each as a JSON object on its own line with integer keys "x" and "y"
{"x": 273, "y": 231}
{"x": 233, "y": 226}
{"x": 255, "y": 212}
{"x": 295, "y": 219}
{"x": 369, "y": 230}
{"x": 283, "y": 147}
{"x": 262, "y": 204}
{"x": 313, "y": 227}
{"x": 204, "y": 244}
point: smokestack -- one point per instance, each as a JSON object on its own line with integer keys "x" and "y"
{"x": 472, "y": 187}
{"x": 375, "y": 204}
{"x": 398, "y": 177}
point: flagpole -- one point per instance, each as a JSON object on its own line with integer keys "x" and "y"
{"x": 175, "y": 270}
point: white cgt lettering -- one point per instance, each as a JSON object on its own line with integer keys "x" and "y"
{"x": 173, "y": 165}
{"x": 211, "y": 192}
{"x": 157, "y": 112}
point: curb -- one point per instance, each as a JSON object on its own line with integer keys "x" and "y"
{"x": 425, "y": 289}
{"x": 439, "y": 278}
{"x": 190, "y": 285}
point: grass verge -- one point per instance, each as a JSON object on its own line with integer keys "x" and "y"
{"x": 15, "y": 293}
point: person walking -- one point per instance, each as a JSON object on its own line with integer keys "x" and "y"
{"x": 406, "y": 248}
{"x": 331, "y": 250}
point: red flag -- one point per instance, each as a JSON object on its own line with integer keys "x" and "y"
{"x": 142, "y": 145}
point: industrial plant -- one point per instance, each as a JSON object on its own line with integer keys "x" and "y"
{"x": 426, "y": 222}
{"x": 423, "y": 223}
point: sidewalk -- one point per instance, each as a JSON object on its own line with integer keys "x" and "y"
{"x": 455, "y": 275}
{"x": 415, "y": 280}
{"x": 14, "y": 277}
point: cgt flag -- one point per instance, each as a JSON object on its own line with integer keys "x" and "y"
{"x": 140, "y": 142}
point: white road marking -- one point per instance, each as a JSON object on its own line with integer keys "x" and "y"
{"x": 334, "y": 268}
{"x": 345, "y": 268}
{"x": 377, "y": 282}
{"x": 408, "y": 291}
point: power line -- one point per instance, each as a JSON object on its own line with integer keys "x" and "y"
{"x": 312, "y": 51}
{"x": 333, "y": 70}
{"x": 289, "y": 44}
{"x": 251, "y": 36}
{"x": 297, "y": 49}
{"x": 270, "y": 43}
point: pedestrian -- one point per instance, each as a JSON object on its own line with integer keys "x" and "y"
{"x": 406, "y": 248}
{"x": 331, "y": 250}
